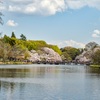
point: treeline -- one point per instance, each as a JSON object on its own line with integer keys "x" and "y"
{"x": 12, "y": 48}
{"x": 28, "y": 44}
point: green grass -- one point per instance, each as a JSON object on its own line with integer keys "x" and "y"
{"x": 95, "y": 66}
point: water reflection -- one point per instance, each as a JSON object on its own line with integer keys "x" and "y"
{"x": 50, "y": 83}
{"x": 92, "y": 70}
{"x": 30, "y": 72}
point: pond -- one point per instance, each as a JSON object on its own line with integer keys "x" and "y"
{"x": 49, "y": 82}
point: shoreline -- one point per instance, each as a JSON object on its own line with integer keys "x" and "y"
{"x": 95, "y": 66}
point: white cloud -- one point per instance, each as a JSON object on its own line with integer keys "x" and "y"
{"x": 96, "y": 34}
{"x": 14, "y": 8}
{"x": 74, "y": 44}
{"x": 71, "y": 43}
{"x": 75, "y": 4}
{"x": 47, "y": 7}
{"x": 11, "y": 23}
{"x": 43, "y": 7}
{"x": 93, "y": 3}
{"x": 2, "y": 7}
{"x": 22, "y": 1}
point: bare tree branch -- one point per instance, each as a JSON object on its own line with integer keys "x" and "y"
{"x": 1, "y": 21}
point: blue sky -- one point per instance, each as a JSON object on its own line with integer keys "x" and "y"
{"x": 60, "y": 22}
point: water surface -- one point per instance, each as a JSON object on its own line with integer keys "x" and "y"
{"x": 49, "y": 82}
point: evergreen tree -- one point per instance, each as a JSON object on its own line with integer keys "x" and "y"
{"x": 13, "y": 35}
{"x": 23, "y": 37}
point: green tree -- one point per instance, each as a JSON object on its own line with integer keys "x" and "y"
{"x": 23, "y": 37}
{"x": 6, "y": 39}
{"x": 96, "y": 57}
{"x": 66, "y": 57}
{"x": 12, "y": 41}
{"x": 13, "y": 35}
{"x": 71, "y": 51}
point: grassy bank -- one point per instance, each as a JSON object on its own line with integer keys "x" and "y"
{"x": 12, "y": 62}
{"x": 95, "y": 66}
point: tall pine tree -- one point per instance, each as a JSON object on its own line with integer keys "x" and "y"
{"x": 13, "y": 35}
{"x": 23, "y": 37}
